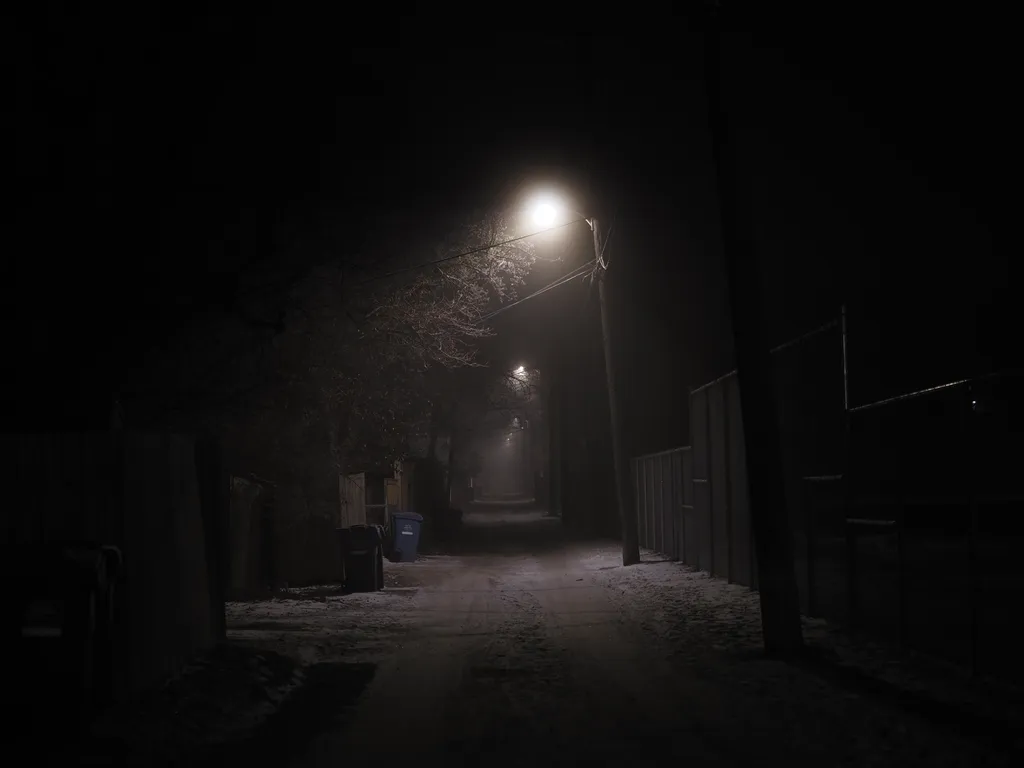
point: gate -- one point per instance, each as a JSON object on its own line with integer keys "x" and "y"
{"x": 664, "y": 507}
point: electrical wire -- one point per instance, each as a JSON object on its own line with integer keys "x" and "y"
{"x": 470, "y": 252}
{"x": 604, "y": 246}
{"x": 580, "y": 271}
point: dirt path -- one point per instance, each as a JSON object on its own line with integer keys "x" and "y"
{"x": 519, "y": 659}
{"x": 403, "y": 712}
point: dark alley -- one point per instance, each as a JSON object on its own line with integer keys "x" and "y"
{"x": 628, "y": 386}
{"x": 525, "y": 646}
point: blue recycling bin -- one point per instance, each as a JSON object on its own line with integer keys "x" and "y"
{"x": 405, "y": 532}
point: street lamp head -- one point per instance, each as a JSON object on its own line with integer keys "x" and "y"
{"x": 546, "y": 211}
{"x": 520, "y": 370}
{"x": 549, "y": 211}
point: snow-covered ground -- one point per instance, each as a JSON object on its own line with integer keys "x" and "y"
{"x": 706, "y": 618}
{"x": 322, "y": 624}
{"x": 228, "y": 694}
{"x": 536, "y": 651}
{"x": 709, "y": 629}
{"x": 567, "y": 656}
{"x": 313, "y": 628}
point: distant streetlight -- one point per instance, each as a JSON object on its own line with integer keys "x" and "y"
{"x": 546, "y": 211}
{"x": 520, "y": 370}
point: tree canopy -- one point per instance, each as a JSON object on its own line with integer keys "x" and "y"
{"x": 335, "y": 370}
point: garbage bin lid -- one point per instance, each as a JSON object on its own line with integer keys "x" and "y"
{"x": 407, "y": 516}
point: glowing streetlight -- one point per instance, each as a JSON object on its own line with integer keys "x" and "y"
{"x": 549, "y": 211}
{"x": 520, "y": 370}
{"x": 546, "y": 212}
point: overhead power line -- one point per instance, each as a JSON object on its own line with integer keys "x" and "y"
{"x": 580, "y": 271}
{"x": 470, "y": 252}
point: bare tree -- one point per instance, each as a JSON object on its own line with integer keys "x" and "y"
{"x": 376, "y": 347}
{"x": 336, "y": 371}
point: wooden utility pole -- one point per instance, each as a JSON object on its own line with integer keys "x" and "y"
{"x": 627, "y": 521}
{"x": 780, "y": 603}
{"x": 451, "y": 465}
{"x": 554, "y": 424}
{"x": 565, "y": 484}
{"x": 524, "y": 456}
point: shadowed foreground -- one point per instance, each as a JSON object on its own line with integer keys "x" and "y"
{"x": 524, "y": 648}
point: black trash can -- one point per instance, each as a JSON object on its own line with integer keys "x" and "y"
{"x": 64, "y": 616}
{"x": 405, "y": 532}
{"x": 361, "y": 554}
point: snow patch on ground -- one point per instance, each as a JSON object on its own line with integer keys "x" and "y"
{"x": 711, "y": 624}
{"x": 351, "y": 627}
{"x": 226, "y": 695}
{"x": 323, "y": 623}
{"x": 219, "y": 697}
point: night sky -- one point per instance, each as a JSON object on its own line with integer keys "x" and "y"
{"x": 160, "y": 157}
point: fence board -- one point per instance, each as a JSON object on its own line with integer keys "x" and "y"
{"x": 641, "y": 501}
{"x": 664, "y": 510}
{"x": 634, "y": 469}
{"x": 719, "y": 481}
{"x": 649, "y": 506}
{"x": 699, "y": 433}
{"x": 686, "y": 490}
{"x": 662, "y": 485}
{"x": 676, "y": 464}
{"x": 634, "y": 466}
{"x": 656, "y": 508}
{"x": 701, "y": 472}
{"x": 740, "y": 532}
{"x": 702, "y": 525}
